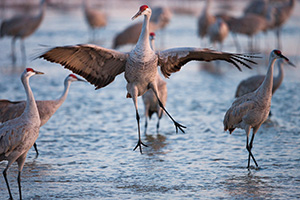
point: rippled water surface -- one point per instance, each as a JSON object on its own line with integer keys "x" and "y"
{"x": 86, "y": 147}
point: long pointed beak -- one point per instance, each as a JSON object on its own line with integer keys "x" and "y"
{"x": 136, "y": 15}
{"x": 288, "y": 61}
{"x": 79, "y": 79}
{"x": 37, "y": 72}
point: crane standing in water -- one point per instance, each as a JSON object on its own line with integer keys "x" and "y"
{"x": 22, "y": 27}
{"x": 150, "y": 101}
{"x": 18, "y": 135}
{"x": 251, "y": 110}
{"x": 100, "y": 66}
{"x": 47, "y": 108}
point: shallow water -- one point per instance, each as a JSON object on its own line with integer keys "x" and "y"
{"x": 86, "y": 147}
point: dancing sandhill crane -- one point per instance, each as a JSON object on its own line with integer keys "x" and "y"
{"x": 281, "y": 13}
{"x": 47, "y": 108}
{"x": 100, "y": 66}
{"x": 20, "y": 27}
{"x": 150, "y": 101}
{"x": 18, "y": 135}
{"x": 218, "y": 31}
{"x": 205, "y": 20}
{"x": 94, "y": 18}
{"x": 251, "y": 110}
{"x": 253, "y": 82}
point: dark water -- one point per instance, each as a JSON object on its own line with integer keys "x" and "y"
{"x": 86, "y": 147}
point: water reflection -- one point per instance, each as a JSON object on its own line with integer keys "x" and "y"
{"x": 248, "y": 185}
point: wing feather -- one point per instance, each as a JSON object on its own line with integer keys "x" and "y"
{"x": 171, "y": 60}
{"x": 97, "y": 65}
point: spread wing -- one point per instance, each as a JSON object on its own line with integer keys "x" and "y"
{"x": 171, "y": 60}
{"x": 97, "y": 65}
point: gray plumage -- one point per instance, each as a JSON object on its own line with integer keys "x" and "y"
{"x": 18, "y": 135}
{"x": 100, "y": 66}
{"x": 251, "y": 110}
{"x": 20, "y": 27}
{"x": 252, "y": 83}
{"x": 47, "y": 108}
{"x": 218, "y": 31}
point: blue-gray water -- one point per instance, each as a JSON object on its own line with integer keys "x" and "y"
{"x": 86, "y": 147}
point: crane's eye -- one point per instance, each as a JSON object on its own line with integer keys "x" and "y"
{"x": 277, "y": 52}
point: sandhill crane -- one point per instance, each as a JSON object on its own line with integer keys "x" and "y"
{"x": 94, "y": 18}
{"x": 251, "y": 110}
{"x": 150, "y": 101}
{"x": 252, "y": 83}
{"x": 248, "y": 25}
{"x": 205, "y": 20}
{"x": 20, "y": 27}
{"x": 100, "y": 66}
{"x": 47, "y": 108}
{"x": 280, "y": 14}
{"x": 218, "y": 31}
{"x": 18, "y": 135}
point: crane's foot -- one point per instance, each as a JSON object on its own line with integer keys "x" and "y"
{"x": 179, "y": 126}
{"x": 139, "y": 144}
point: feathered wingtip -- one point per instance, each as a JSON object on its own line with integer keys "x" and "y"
{"x": 245, "y": 57}
{"x": 41, "y": 51}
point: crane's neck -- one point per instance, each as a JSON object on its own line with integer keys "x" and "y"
{"x": 207, "y": 6}
{"x": 265, "y": 88}
{"x": 143, "y": 42}
{"x": 152, "y": 44}
{"x": 279, "y": 78}
{"x": 64, "y": 95}
{"x": 31, "y": 107}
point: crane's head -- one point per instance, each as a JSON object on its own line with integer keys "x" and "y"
{"x": 28, "y": 72}
{"x": 277, "y": 54}
{"x": 152, "y": 36}
{"x": 72, "y": 78}
{"x": 144, "y": 10}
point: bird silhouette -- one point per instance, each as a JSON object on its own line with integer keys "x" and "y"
{"x": 100, "y": 66}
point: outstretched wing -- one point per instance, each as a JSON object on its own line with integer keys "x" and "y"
{"x": 171, "y": 60}
{"x": 97, "y": 65}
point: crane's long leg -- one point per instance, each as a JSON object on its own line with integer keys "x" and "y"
{"x": 249, "y": 147}
{"x": 6, "y": 181}
{"x": 19, "y": 184}
{"x": 36, "y": 150}
{"x": 13, "y": 52}
{"x": 278, "y": 38}
{"x": 177, "y": 125}
{"x": 140, "y": 143}
{"x": 236, "y": 43}
{"x": 23, "y": 52}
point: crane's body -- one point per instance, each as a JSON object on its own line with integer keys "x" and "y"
{"x": 18, "y": 135}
